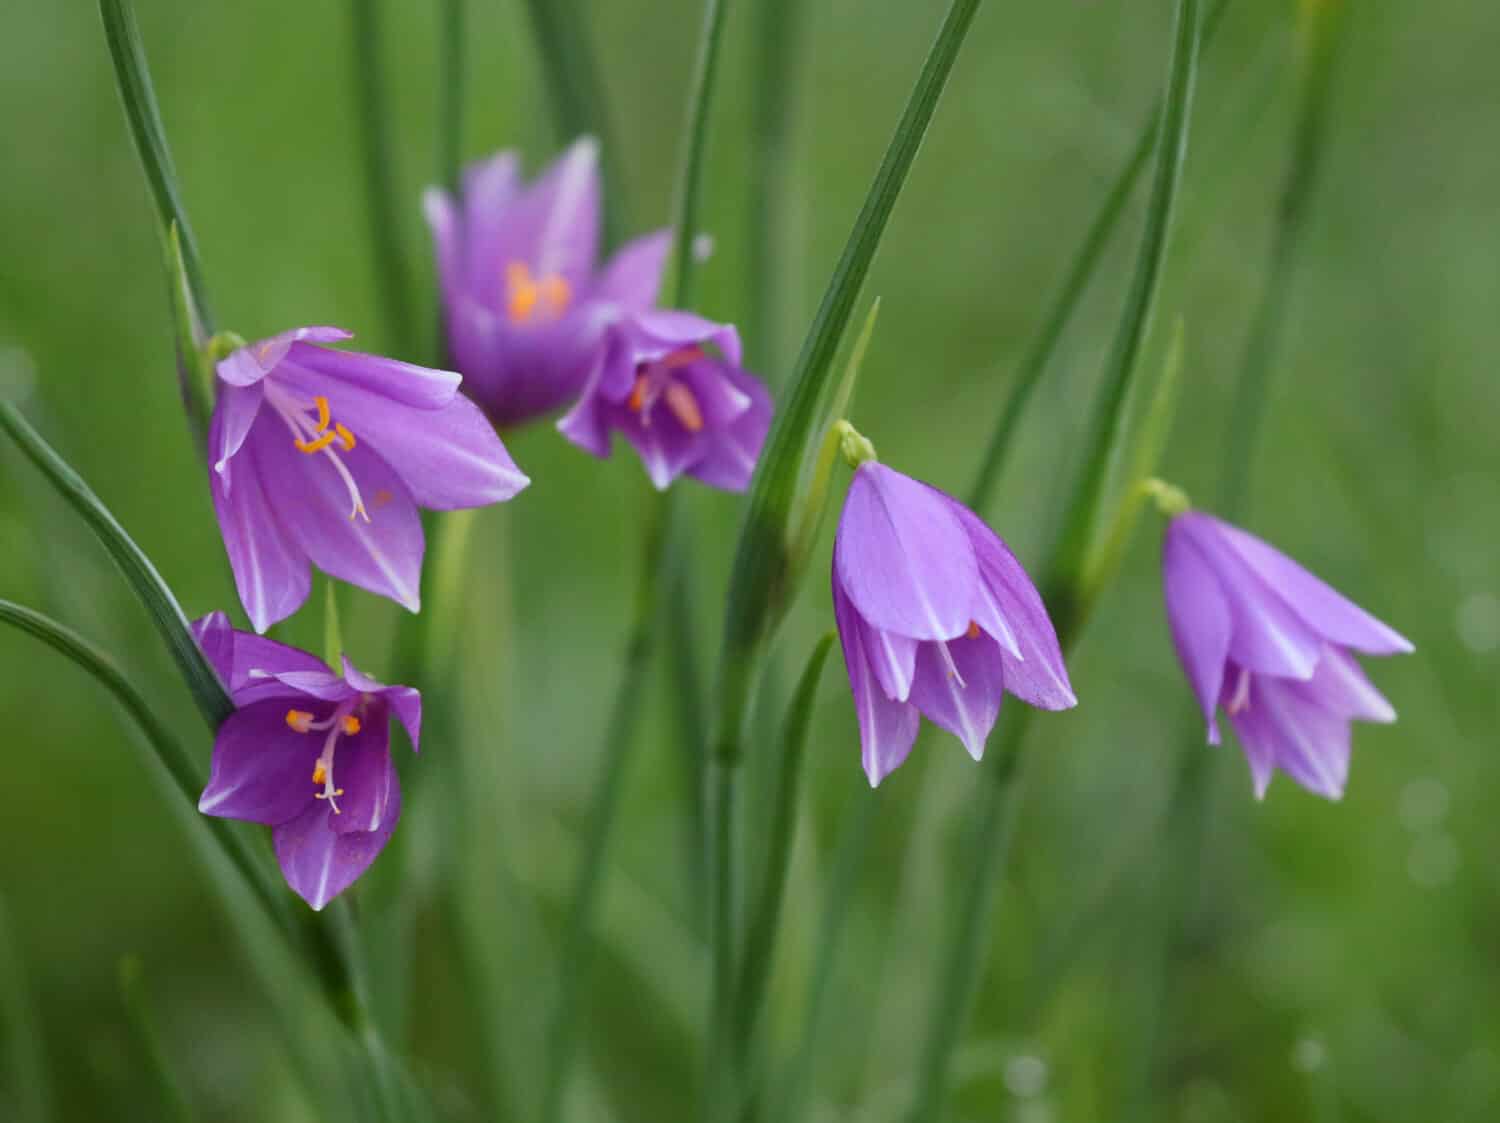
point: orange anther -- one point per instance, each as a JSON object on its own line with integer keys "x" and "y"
{"x": 344, "y": 435}
{"x": 298, "y": 720}
{"x": 323, "y": 417}
{"x": 973, "y": 632}
{"x": 350, "y": 724}
{"x": 684, "y": 406}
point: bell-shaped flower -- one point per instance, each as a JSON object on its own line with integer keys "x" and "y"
{"x": 322, "y": 457}
{"x": 671, "y": 384}
{"x": 936, "y": 617}
{"x": 525, "y": 300}
{"x": 307, "y": 752}
{"x": 1270, "y": 644}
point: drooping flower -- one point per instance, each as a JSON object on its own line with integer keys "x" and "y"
{"x": 936, "y": 617}
{"x": 322, "y": 457}
{"x": 307, "y": 752}
{"x": 525, "y": 301}
{"x": 1273, "y": 646}
{"x": 671, "y": 383}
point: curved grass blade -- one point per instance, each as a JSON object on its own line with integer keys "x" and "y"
{"x": 760, "y": 572}
{"x": 133, "y": 79}
{"x": 452, "y": 76}
{"x": 132, "y": 981}
{"x": 20, "y": 1034}
{"x": 1079, "y": 273}
{"x": 690, "y": 172}
{"x": 147, "y": 584}
{"x": 765, "y": 915}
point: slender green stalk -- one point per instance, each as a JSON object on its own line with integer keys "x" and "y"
{"x": 579, "y": 105}
{"x": 690, "y": 171}
{"x": 133, "y": 79}
{"x": 685, "y": 675}
{"x": 381, "y": 191}
{"x": 452, "y": 76}
{"x": 1064, "y": 575}
{"x": 778, "y": 43}
{"x": 147, "y": 584}
{"x": 761, "y": 576}
{"x": 20, "y": 1035}
{"x": 603, "y": 808}
{"x": 1084, "y": 264}
{"x": 138, "y": 1007}
{"x": 1186, "y": 821}
{"x": 765, "y": 916}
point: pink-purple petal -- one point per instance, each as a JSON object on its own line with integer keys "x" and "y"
{"x": 271, "y": 573}
{"x": 318, "y": 862}
{"x": 903, "y": 559}
{"x": 1199, "y": 616}
{"x": 553, "y": 225}
{"x": 1307, "y": 742}
{"x": 1325, "y": 610}
{"x": 887, "y": 729}
{"x": 632, "y": 279}
{"x": 235, "y": 411}
{"x": 1340, "y": 686}
{"x": 249, "y": 364}
{"x": 963, "y": 696}
{"x": 362, "y": 768}
{"x": 404, "y": 700}
{"x": 262, "y": 769}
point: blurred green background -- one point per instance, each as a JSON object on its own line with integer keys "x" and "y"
{"x": 1341, "y": 961}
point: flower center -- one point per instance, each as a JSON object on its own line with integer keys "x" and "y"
{"x": 1239, "y": 701}
{"x": 657, "y": 381}
{"x": 312, "y": 435}
{"x": 341, "y": 721}
{"x": 529, "y": 298}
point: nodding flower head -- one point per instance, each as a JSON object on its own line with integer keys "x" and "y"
{"x": 936, "y": 618}
{"x": 322, "y": 457}
{"x": 307, "y": 752}
{"x": 1272, "y": 646}
{"x": 525, "y": 298}
{"x": 672, "y": 385}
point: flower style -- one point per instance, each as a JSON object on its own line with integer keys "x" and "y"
{"x": 524, "y": 301}
{"x": 1272, "y": 645}
{"x": 686, "y": 409}
{"x": 308, "y": 753}
{"x": 322, "y": 457}
{"x": 936, "y": 616}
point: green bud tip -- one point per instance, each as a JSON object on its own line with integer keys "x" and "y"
{"x": 853, "y": 444}
{"x": 222, "y": 345}
{"x": 1170, "y": 500}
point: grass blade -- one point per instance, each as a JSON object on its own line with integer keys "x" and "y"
{"x": 138, "y": 1007}
{"x": 147, "y": 584}
{"x": 695, "y": 143}
{"x": 19, "y": 1032}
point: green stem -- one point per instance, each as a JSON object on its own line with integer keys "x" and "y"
{"x": 381, "y": 192}
{"x": 690, "y": 171}
{"x": 452, "y": 75}
{"x": 579, "y": 105}
{"x": 778, "y": 40}
{"x": 620, "y": 739}
{"x": 1064, "y": 574}
{"x": 138, "y": 1007}
{"x": 1080, "y": 272}
{"x": 765, "y": 916}
{"x": 723, "y": 912}
{"x": 19, "y": 1031}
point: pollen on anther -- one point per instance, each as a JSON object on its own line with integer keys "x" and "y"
{"x": 299, "y": 720}
{"x": 973, "y": 632}
{"x": 350, "y": 725}
{"x": 320, "y": 774}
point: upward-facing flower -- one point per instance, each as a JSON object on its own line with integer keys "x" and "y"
{"x": 935, "y": 616}
{"x": 1272, "y": 645}
{"x": 322, "y": 457}
{"x": 524, "y": 299}
{"x": 308, "y": 753}
{"x": 671, "y": 384}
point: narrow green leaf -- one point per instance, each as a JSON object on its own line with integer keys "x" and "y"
{"x": 765, "y": 915}
{"x": 381, "y": 191}
{"x": 333, "y": 634}
{"x": 1062, "y": 588}
{"x": 133, "y": 79}
{"x": 195, "y": 373}
{"x": 695, "y": 142}
{"x": 452, "y": 78}
{"x": 173, "y": 1103}
{"x": 757, "y": 585}
{"x": 147, "y": 584}
{"x": 579, "y": 105}
{"x": 20, "y": 1033}
{"x": 1080, "y": 272}
{"x": 168, "y": 751}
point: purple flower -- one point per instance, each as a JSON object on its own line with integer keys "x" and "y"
{"x": 1260, "y": 636}
{"x": 322, "y": 457}
{"x": 524, "y": 300}
{"x": 936, "y": 617}
{"x": 685, "y": 408}
{"x": 308, "y": 753}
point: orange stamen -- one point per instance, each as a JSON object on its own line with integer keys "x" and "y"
{"x": 973, "y": 632}
{"x": 345, "y": 436}
{"x": 299, "y": 720}
{"x": 318, "y": 445}
{"x": 351, "y": 724}
{"x": 684, "y": 406}
{"x": 323, "y": 418}
{"x": 637, "y": 400}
